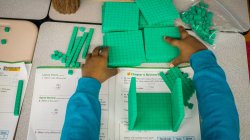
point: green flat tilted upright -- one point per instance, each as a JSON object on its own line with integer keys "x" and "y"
{"x": 158, "y": 11}
{"x": 187, "y": 84}
{"x": 120, "y": 16}
{"x": 125, "y": 48}
{"x": 156, "y": 48}
{"x": 155, "y": 111}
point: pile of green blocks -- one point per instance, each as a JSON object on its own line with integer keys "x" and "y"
{"x": 201, "y": 21}
{"x": 155, "y": 111}
{"x": 187, "y": 84}
{"x": 75, "y": 46}
{"x": 128, "y": 29}
{"x": 6, "y": 30}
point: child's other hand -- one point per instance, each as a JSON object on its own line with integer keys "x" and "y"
{"x": 96, "y": 65}
{"x": 187, "y": 45}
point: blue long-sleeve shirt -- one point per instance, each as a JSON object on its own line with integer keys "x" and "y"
{"x": 216, "y": 104}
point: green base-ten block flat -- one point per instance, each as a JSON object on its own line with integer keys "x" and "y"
{"x": 155, "y": 111}
{"x": 18, "y": 98}
{"x": 157, "y": 49}
{"x": 187, "y": 84}
{"x": 125, "y": 48}
{"x": 120, "y": 16}
{"x": 158, "y": 11}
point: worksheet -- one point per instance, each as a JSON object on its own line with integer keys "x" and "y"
{"x": 10, "y": 74}
{"x": 53, "y": 88}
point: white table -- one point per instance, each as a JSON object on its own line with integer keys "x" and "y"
{"x": 90, "y": 11}
{"x": 24, "y": 9}
{"x": 230, "y": 52}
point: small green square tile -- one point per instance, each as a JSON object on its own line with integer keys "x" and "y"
{"x": 3, "y": 41}
{"x": 157, "y": 49}
{"x": 7, "y": 29}
{"x": 120, "y": 16}
{"x": 125, "y": 48}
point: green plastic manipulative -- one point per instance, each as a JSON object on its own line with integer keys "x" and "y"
{"x": 70, "y": 72}
{"x": 72, "y": 40}
{"x": 78, "y": 64}
{"x": 155, "y": 12}
{"x": 7, "y": 29}
{"x": 155, "y": 111}
{"x": 201, "y": 21}
{"x": 80, "y": 46}
{"x": 3, "y": 41}
{"x": 56, "y": 52}
{"x": 87, "y": 44}
{"x": 156, "y": 48}
{"x": 18, "y": 98}
{"x": 143, "y": 23}
{"x": 82, "y": 29}
{"x": 125, "y": 48}
{"x": 119, "y": 16}
{"x": 187, "y": 84}
{"x": 71, "y": 55}
{"x": 132, "y": 106}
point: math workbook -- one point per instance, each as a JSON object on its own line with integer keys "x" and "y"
{"x": 54, "y": 86}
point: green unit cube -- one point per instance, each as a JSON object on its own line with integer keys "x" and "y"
{"x": 125, "y": 48}
{"x": 4, "y": 41}
{"x": 157, "y": 49}
{"x": 7, "y": 29}
{"x": 70, "y": 72}
{"x": 120, "y": 16}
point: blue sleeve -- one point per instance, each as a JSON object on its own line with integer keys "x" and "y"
{"x": 82, "y": 120}
{"x": 219, "y": 116}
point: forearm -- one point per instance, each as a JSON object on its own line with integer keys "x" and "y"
{"x": 83, "y": 113}
{"x": 219, "y": 117}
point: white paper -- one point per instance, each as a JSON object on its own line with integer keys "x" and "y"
{"x": 10, "y": 74}
{"x": 54, "y": 87}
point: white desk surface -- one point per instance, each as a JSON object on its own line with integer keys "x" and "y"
{"x": 230, "y": 52}
{"x": 24, "y": 9}
{"x": 90, "y": 11}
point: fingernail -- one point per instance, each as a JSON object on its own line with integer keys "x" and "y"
{"x": 171, "y": 65}
{"x": 165, "y": 37}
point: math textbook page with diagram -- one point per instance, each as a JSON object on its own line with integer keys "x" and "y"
{"x": 149, "y": 80}
{"x": 53, "y": 88}
{"x": 10, "y": 74}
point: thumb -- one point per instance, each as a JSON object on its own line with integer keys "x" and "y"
{"x": 176, "y": 61}
{"x": 112, "y": 72}
{"x": 172, "y": 41}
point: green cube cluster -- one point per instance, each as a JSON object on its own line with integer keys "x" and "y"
{"x": 156, "y": 48}
{"x": 75, "y": 46}
{"x": 155, "y": 111}
{"x": 187, "y": 84}
{"x": 120, "y": 16}
{"x": 201, "y": 21}
{"x": 125, "y": 48}
{"x": 158, "y": 11}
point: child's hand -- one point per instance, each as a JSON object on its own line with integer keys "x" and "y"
{"x": 96, "y": 65}
{"x": 187, "y": 45}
